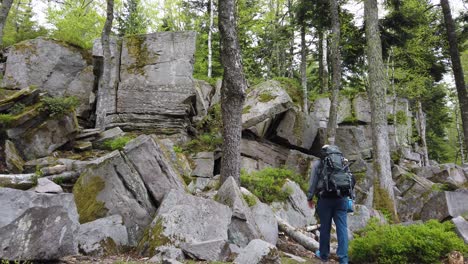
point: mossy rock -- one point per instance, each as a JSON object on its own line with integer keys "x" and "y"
{"x": 152, "y": 238}
{"x": 86, "y": 190}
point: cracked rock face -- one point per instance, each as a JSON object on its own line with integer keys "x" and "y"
{"x": 131, "y": 183}
{"x": 153, "y": 74}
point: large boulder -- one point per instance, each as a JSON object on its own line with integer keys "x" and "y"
{"x": 203, "y": 91}
{"x": 264, "y": 101}
{"x": 198, "y": 225}
{"x": 266, "y": 222}
{"x": 450, "y": 174}
{"x": 321, "y": 111}
{"x": 52, "y": 66}
{"x": 37, "y": 226}
{"x": 204, "y": 165}
{"x": 113, "y": 186}
{"x": 359, "y": 218}
{"x": 258, "y": 252}
{"x": 295, "y": 210}
{"x": 264, "y": 153}
{"x": 102, "y": 236}
{"x": 362, "y": 108}
{"x": 145, "y": 155}
{"x": 243, "y": 228}
{"x": 415, "y": 191}
{"x": 446, "y": 205}
{"x": 296, "y": 129}
{"x": 353, "y": 142}
{"x": 156, "y": 89}
{"x": 461, "y": 228}
{"x": 39, "y": 137}
{"x": 14, "y": 161}
{"x": 299, "y": 162}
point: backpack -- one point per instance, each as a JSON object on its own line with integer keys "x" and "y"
{"x": 335, "y": 179}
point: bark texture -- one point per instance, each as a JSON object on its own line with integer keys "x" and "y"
{"x": 106, "y": 66}
{"x": 336, "y": 71}
{"x": 4, "y": 10}
{"x": 297, "y": 236}
{"x": 422, "y": 134}
{"x": 304, "y": 67}
{"x": 456, "y": 66}
{"x": 210, "y": 30}
{"x": 232, "y": 91}
{"x": 323, "y": 65}
{"x": 376, "y": 91}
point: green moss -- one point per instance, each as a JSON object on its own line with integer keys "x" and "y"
{"x": 138, "y": 50}
{"x": 86, "y": 190}
{"x": 6, "y": 119}
{"x": 24, "y": 47}
{"x": 383, "y": 202}
{"x": 395, "y": 156}
{"x": 153, "y": 237}
{"x": 299, "y": 127}
{"x": 266, "y": 96}
{"x": 246, "y": 109}
{"x": 360, "y": 176}
{"x": 350, "y": 120}
{"x": 250, "y": 199}
{"x": 109, "y": 246}
{"x": 116, "y": 143}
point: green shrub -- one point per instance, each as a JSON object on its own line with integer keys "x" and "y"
{"x": 59, "y": 106}
{"x": 117, "y": 143}
{"x": 17, "y": 109}
{"x": 267, "y": 184}
{"x": 178, "y": 149}
{"x": 422, "y": 243}
{"x": 204, "y": 142}
{"x": 293, "y": 88}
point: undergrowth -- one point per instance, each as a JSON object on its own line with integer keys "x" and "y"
{"x": 395, "y": 244}
{"x": 268, "y": 183}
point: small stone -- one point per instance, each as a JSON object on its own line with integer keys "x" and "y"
{"x": 47, "y": 186}
{"x": 83, "y": 145}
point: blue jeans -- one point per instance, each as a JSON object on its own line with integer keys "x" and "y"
{"x": 328, "y": 209}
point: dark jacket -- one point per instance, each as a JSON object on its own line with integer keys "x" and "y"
{"x": 313, "y": 179}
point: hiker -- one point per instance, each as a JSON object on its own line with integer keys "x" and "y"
{"x": 332, "y": 182}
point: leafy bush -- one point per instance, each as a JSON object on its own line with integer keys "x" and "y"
{"x": 250, "y": 199}
{"x": 59, "y": 106}
{"x": 267, "y": 184}
{"x": 422, "y": 243}
{"x": 204, "y": 142}
{"x": 117, "y": 143}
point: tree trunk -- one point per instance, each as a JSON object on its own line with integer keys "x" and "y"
{"x": 106, "y": 66}
{"x": 456, "y": 66}
{"x": 210, "y": 52}
{"x": 4, "y": 10}
{"x": 232, "y": 91}
{"x": 291, "y": 41}
{"x": 304, "y": 67}
{"x": 323, "y": 67}
{"x": 376, "y": 92}
{"x": 459, "y": 135}
{"x": 422, "y": 133}
{"x": 336, "y": 71}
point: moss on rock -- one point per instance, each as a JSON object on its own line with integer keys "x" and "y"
{"x": 86, "y": 191}
{"x": 153, "y": 237}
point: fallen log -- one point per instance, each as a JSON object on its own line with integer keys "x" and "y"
{"x": 307, "y": 242}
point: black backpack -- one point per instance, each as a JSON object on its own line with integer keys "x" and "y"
{"x": 335, "y": 179}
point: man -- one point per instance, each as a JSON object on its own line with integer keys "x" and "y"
{"x": 330, "y": 205}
